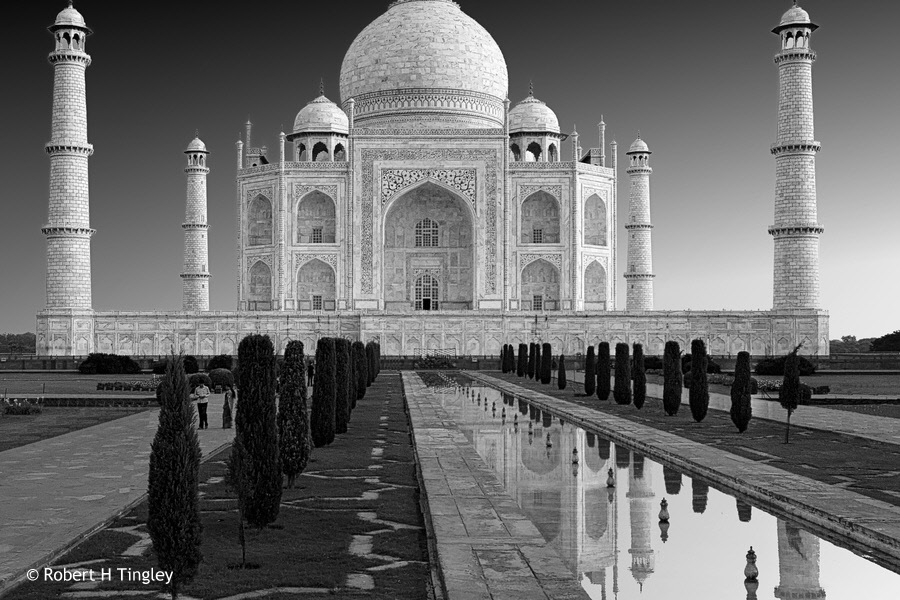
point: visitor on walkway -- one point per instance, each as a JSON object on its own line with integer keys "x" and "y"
{"x": 228, "y": 409}
{"x": 201, "y": 393}
{"x": 310, "y": 373}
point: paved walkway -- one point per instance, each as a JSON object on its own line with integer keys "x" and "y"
{"x": 867, "y": 522}
{"x": 486, "y": 547}
{"x": 63, "y": 488}
{"x": 879, "y": 429}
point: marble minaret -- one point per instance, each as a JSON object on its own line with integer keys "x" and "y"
{"x": 639, "y": 274}
{"x": 195, "y": 277}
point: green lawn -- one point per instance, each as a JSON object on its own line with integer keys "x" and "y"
{"x": 19, "y": 430}
{"x": 32, "y": 384}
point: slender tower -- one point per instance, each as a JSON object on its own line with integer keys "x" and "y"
{"x": 796, "y": 229}
{"x": 639, "y": 275}
{"x": 68, "y": 229}
{"x": 640, "y": 506}
{"x": 195, "y": 278}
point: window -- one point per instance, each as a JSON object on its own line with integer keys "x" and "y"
{"x": 426, "y": 234}
{"x": 317, "y": 302}
{"x": 537, "y": 236}
{"x": 427, "y": 293}
{"x": 317, "y": 235}
{"x": 538, "y": 303}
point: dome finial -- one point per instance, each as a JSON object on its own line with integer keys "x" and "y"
{"x": 322, "y": 86}
{"x": 531, "y": 88}
{"x": 70, "y": 3}
{"x": 197, "y": 133}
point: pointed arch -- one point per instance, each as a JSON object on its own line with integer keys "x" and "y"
{"x": 320, "y": 153}
{"x": 259, "y": 283}
{"x": 301, "y": 152}
{"x": 316, "y": 219}
{"x": 533, "y": 153}
{"x": 316, "y": 287}
{"x": 516, "y": 152}
{"x": 596, "y": 222}
{"x": 340, "y": 154}
{"x": 540, "y": 285}
{"x": 540, "y": 219}
{"x": 553, "y": 153}
{"x": 595, "y": 286}
{"x": 259, "y": 222}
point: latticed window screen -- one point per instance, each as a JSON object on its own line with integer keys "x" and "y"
{"x": 537, "y": 236}
{"x": 317, "y": 235}
{"x": 427, "y": 293}
{"x": 538, "y": 303}
{"x": 317, "y": 302}
{"x": 426, "y": 234}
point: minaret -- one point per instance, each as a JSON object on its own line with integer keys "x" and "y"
{"x": 195, "y": 278}
{"x": 602, "y": 126}
{"x": 798, "y": 564}
{"x": 796, "y": 229}
{"x": 68, "y": 229}
{"x": 639, "y": 274}
{"x": 640, "y": 507}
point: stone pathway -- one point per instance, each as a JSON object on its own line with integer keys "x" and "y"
{"x": 866, "y": 522}
{"x": 486, "y": 547}
{"x": 59, "y": 490}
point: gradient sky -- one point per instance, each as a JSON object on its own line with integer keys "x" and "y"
{"x": 696, "y": 78}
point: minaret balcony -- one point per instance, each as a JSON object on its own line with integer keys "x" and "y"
{"x": 788, "y": 230}
{"x": 63, "y": 56}
{"x": 795, "y": 55}
{"x": 194, "y": 226}
{"x": 638, "y": 226}
{"x": 796, "y": 147}
{"x": 52, "y": 231}
{"x": 75, "y": 148}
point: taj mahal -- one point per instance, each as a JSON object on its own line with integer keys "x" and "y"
{"x": 425, "y": 210}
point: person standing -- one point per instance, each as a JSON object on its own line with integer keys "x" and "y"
{"x": 227, "y": 413}
{"x": 202, "y": 393}
{"x": 310, "y": 373}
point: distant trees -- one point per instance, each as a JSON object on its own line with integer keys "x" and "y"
{"x": 639, "y": 376}
{"x": 848, "y": 344}
{"x": 672, "y": 382}
{"x": 590, "y": 372}
{"x": 173, "y": 493}
{"x": 604, "y": 371}
{"x": 622, "y": 389}
{"x": 561, "y": 372}
{"x": 293, "y": 418}
{"x": 741, "y": 409}
{"x": 546, "y": 364}
{"x": 18, "y": 343}
{"x": 699, "y": 392}
{"x": 322, "y": 414}
{"x": 887, "y": 343}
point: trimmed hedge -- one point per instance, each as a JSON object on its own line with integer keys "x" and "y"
{"x": 546, "y": 364}
{"x": 322, "y": 416}
{"x": 622, "y": 389}
{"x": 699, "y": 394}
{"x": 341, "y": 385}
{"x": 741, "y": 409}
{"x": 639, "y": 376}
{"x": 523, "y": 360}
{"x": 604, "y": 374}
{"x": 590, "y": 372}
{"x": 220, "y": 361}
{"x": 561, "y": 373}
{"x": 672, "y": 379}
{"x": 775, "y": 366}
{"x": 100, "y": 363}
{"x": 293, "y": 417}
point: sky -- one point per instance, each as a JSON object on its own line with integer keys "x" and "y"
{"x": 696, "y": 78}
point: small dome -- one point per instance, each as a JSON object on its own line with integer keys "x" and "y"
{"x": 532, "y": 115}
{"x": 196, "y": 145}
{"x": 322, "y": 115}
{"x": 69, "y": 17}
{"x": 795, "y": 16}
{"x": 639, "y": 145}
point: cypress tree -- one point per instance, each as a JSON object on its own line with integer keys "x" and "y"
{"x": 370, "y": 362}
{"x": 672, "y": 384}
{"x": 377, "y": 359}
{"x": 789, "y": 394}
{"x": 293, "y": 418}
{"x": 351, "y": 380}
{"x": 512, "y": 359}
{"x": 531, "y": 357}
{"x": 322, "y": 415}
{"x": 699, "y": 392}
{"x": 538, "y": 364}
{"x": 622, "y": 389}
{"x": 604, "y": 376}
{"x": 523, "y": 360}
{"x": 546, "y": 364}
{"x": 173, "y": 498}
{"x": 639, "y": 376}
{"x": 741, "y": 409}
{"x": 255, "y": 465}
{"x": 561, "y": 374}
{"x": 590, "y": 372}
{"x": 362, "y": 375}
{"x": 503, "y": 359}
{"x": 341, "y": 385}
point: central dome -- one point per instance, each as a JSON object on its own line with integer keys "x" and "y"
{"x": 425, "y": 63}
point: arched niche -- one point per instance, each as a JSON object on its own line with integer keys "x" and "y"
{"x": 595, "y": 285}
{"x": 451, "y": 261}
{"x": 516, "y": 152}
{"x": 553, "y": 153}
{"x": 533, "y": 152}
{"x": 316, "y": 287}
{"x": 320, "y": 153}
{"x": 540, "y": 286}
{"x": 259, "y": 222}
{"x": 340, "y": 154}
{"x": 595, "y": 222}
{"x": 540, "y": 219}
{"x": 316, "y": 220}
{"x": 259, "y": 285}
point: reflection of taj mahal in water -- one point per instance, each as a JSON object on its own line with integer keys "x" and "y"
{"x": 428, "y": 211}
{"x": 605, "y": 533}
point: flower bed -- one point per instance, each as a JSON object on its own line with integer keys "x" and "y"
{"x": 20, "y": 406}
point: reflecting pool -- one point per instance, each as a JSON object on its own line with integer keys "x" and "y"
{"x": 599, "y": 505}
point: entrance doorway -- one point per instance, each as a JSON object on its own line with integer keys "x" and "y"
{"x": 427, "y": 292}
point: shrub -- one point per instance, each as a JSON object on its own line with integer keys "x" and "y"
{"x": 221, "y": 377}
{"x": 108, "y": 364}
{"x": 561, "y": 373}
{"x": 255, "y": 464}
{"x": 638, "y": 376}
{"x": 653, "y": 363}
{"x": 531, "y": 359}
{"x": 791, "y": 390}
{"x": 323, "y": 401}
{"x": 604, "y": 374}
{"x": 590, "y": 372}
{"x": 775, "y": 366}
{"x": 293, "y": 419}
{"x": 622, "y": 389}
{"x": 20, "y": 407}
{"x": 362, "y": 375}
{"x": 711, "y": 365}
{"x": 699, "y": 393}
{"x": 523, "y": 360}
{"x": 672, "y": 378}
{"x": 159, "y": 367}
{"x": 173, "y": 492}
{"x": 546, "y": 364}
{"x": 220, "y": 361}
{"x": 198, "y": 378}
{"x": 191, "y": 365}
{"x": 341, "y": 385}
{"x": 741, "y": 409}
